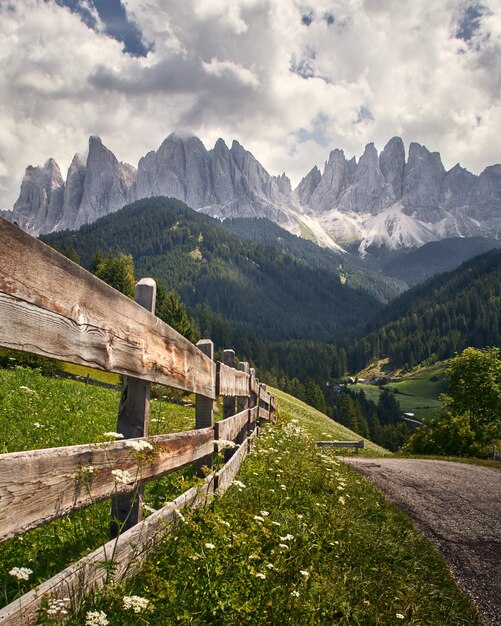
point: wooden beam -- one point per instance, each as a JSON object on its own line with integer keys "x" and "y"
{"x": 90, "y": 573}
{"x": 41, "y": 485}
{"x": 133, "y": 420}
{"x": 229, "y": 428}
{"x": 53, "y": 307}
{"x": 204, "y": 408}
{"x": 126, "y": 552}
{"x": 232, "y": 382}
{"x": 228, "y": 366}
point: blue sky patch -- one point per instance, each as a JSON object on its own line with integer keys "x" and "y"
{"x": 114, "y": 17}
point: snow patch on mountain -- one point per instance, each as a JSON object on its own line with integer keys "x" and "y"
{"x": 393, "y": 229}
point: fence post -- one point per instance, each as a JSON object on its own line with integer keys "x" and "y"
{"x": 133, "y": 421}
{"x": 229, "y": 401}
{"x": 204, "y": 407}
{"x": 252, "y": 397}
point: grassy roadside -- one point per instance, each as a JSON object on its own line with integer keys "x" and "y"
{"x": 300, "y": 538}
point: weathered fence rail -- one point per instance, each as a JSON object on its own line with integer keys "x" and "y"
{"x": 52, "y": 307}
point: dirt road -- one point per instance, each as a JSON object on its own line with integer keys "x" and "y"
{"x": 458, "y": 506}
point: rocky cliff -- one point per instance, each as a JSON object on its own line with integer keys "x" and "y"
{"x": 381, "y": 199}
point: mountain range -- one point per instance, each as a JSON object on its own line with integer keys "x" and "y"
{"x": 382, "y": 200}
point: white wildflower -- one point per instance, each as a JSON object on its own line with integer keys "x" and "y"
{"x": 38, "y": 425}
{"x": 238, "y": 483}
{"x": 276, "y": 523}
{"x": 399, "y": 616}
{"x": 270, "y": 566}
{"x": 287, "y": 537}
{"x": 259, "y": 575}
{"x": 210, "y": 546}
{"x": 21, "y": 573}
{"x": 24, "y": 388}
{"x": 121, "y": 476}
{"x": 304, "y": 573}
{"x": 284, "y": 546}
{"x": 140, "y": 445}
{"x": 57, "y": 607}
{"x": 135, "y": 603}
{"x": 283, "y": 487}
{"x": 113, "y": 435}
{"x": 258, "y": 518}
{"x": 147, "y": 508}
{"x": 264, "y": 513}
{"x": 341, "y": 500}
{"x": 295, "y": 594}
{"x": 96, "y": 618}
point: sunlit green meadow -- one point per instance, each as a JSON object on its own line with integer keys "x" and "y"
{"x": 298, "y": 539}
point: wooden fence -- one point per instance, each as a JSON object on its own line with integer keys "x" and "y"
{"x": 52, "y": 307}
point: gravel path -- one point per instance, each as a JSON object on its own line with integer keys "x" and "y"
{"x": 458, "y": 506}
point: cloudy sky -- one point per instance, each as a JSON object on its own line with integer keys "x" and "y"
{"x": 289, "y": 79}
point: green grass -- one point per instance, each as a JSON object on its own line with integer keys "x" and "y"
{"x": 417, "y": 393}
{"x": 39, "y": 412}
{"x": 331, "y": 548}
{"x": 81, "y": 370}
{"x": 300, "y": 539}
{"x": 321, "y": 428}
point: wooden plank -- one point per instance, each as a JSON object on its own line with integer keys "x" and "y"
{"x": 264, "y": 413}
{"x": 90, "y": 573}
{"x": 41, "y": 485}
{"x": 231, "y": 427}
{"x": 243, "y": 401}
{"x": 232, "y": 382}
{"x": 227, "y": 474}
{"x": 126, "y": 552}
{"x": 264, "y": 396}
{"x": 253, "y": 414}
{"x": 53, "y": 307}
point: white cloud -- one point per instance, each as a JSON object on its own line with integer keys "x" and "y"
{"x": 235, "y": 68}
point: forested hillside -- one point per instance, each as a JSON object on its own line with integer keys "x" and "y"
{"x": 351, "y": 269}
{"x": 437, "y": 318}
{"x": 260, "y": 290}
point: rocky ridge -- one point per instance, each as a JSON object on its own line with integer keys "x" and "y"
{"x": 380, "y": 200}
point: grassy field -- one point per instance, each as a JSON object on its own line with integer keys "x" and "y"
{"x": 299, "y": 539}
{"x": 417, "y": 393}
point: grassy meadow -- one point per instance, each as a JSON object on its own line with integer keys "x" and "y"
{"x": 299, "y": 538}
{"x": 417, "y": 393}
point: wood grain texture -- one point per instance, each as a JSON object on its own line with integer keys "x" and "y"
{"x": 264, "y": 396}
{"x": 90, "y": 573}
{"x": 53, "y": 307}
{"x": 127, "y": 552}
{"x": 232, "y": 382}
{"x": 231, "y": 427}
{"x": 264, "y": 413}
{"x": 41, "y": 485}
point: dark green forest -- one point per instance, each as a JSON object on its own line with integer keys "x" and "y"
{"x": 437, "y": 318}
{"x": 304, "y": 316}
